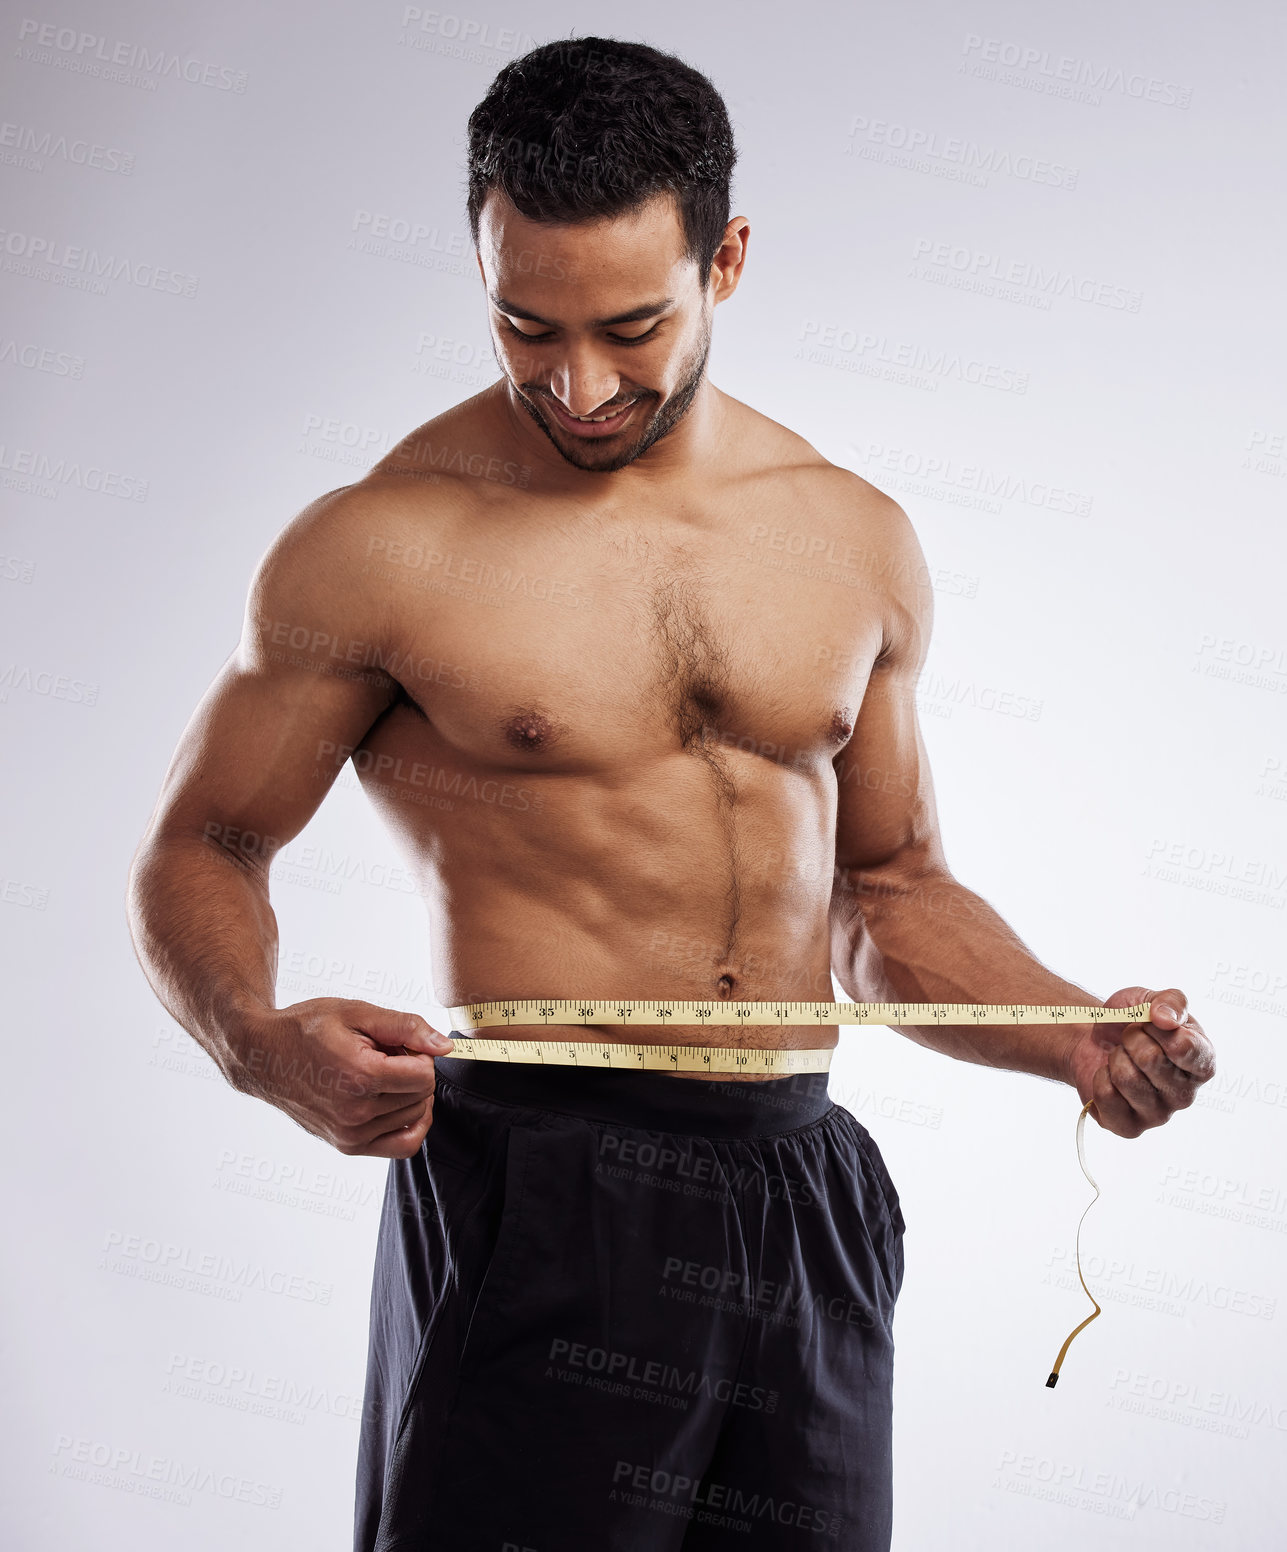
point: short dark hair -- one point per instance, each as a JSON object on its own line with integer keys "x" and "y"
{"x": 589, "y": 127}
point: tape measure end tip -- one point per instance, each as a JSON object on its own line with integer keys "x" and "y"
{"x": 1052, "y": 1381}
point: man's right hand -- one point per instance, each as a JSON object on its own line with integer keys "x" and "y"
{"x": 357, "y": 1076}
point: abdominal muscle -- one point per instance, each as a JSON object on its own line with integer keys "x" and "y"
{"x": 638, "y": 887}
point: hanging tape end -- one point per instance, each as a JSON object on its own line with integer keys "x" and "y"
{"x": 1053, "y": 1380}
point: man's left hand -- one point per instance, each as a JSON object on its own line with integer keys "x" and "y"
{"x": 1138, "y": 1075}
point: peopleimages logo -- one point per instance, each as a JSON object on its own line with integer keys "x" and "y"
{"x": 47, "y": 258}
{"x": 197, "y": 1271}
{"x": 976, "y": 269}
{"x": 90, "y": 53}
{"x": 650, "y": 1374}
{"x": 832, "y": 344}
{"x": 164, "y": 1477}
{"x": 54, "y": 470}
{"x": 926, "y": 150}
{"x": 1064, "y": 75}
{"x": 41, "y": 358}
{"x": 919, "y": 473}
{"x": 464, "y": 31}
{"x": 22, "y": 145}
{"x": 645, "y": 1486}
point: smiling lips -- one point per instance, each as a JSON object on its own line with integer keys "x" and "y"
{"x": 592, "y": 425}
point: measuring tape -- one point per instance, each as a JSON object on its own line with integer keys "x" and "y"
{"x": 746, "y": 1015}
{"x": 754, "y": 1015}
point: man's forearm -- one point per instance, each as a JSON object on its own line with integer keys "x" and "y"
{"x": 206, "y": 936}
{"x": 929, "y": 939}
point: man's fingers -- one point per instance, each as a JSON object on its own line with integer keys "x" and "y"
{"x": 1152, "y": 1054}
{"x": 1150, "y": 1069}
{"x": 1125, "y": 1100}
{"x": 1111, "y": 1109}
{"x": 385, "y": 1073}
{"x": 1137, "y": 1088}
{"x": 386, "y": 1104}
{"x": 398, "y": 1031}
{"x": 378, "y": 1085}
{"x": 1179, "y": 1034}
{"x": 1189, "y": 1049}
{"x": 395, "y": 1134}
{"x": 382, "y": 1107}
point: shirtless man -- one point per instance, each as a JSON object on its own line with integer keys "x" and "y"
{"x": 631, "y": 754}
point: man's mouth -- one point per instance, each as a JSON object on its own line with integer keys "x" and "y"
{"x": 599, "y": 424}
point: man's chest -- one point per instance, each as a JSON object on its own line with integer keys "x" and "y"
{"x": 569, "y": 646}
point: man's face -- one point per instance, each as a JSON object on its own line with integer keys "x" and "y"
{"x": 599, "y": 319}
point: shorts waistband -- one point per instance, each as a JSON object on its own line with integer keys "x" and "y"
{"x": 651, "y": 1101}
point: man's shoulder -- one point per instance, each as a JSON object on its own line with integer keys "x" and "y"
{"x": 427, "y": 478}
{"x": 774, "y": 452}
{"x": 336, "y": 531}
{"x": 457, "y": 453}
{"x": 335, "y": 558}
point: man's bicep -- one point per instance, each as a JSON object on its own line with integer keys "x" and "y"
{"x": 260, "y": 753}
{"x": 885, "y": 815}
{"x": 885, "y": 811}
{"x": 272, "y": 732}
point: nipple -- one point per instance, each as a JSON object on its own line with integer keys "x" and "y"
{"x": 529, "y": 730}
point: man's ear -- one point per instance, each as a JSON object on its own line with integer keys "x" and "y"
{"x": 726, "y": 266}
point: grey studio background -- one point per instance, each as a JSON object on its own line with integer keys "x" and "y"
{"x": 1018, "y": 265}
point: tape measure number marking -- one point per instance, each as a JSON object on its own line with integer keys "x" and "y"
{"x": 649, "y": 1058}
{"x": 569, "y": 1013}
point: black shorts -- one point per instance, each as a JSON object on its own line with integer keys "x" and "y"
{"x": 618, "y": 1310}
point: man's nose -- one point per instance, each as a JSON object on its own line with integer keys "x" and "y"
{"x": 582, "y": 384}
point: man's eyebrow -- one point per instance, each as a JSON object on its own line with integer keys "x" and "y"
{"x": 635, "y": 315}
